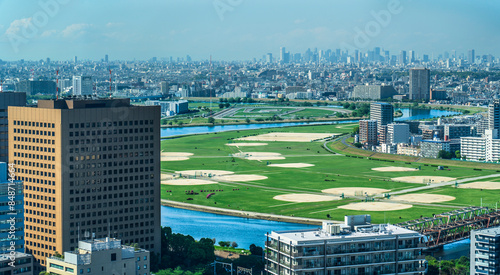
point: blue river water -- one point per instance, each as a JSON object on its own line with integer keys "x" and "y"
{"x": 246, "y": 231}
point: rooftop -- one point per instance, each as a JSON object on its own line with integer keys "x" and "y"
{"x": 83, "y": 103}
{"x": 492, "y": 231}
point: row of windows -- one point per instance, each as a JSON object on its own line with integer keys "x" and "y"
{"x": 110, "y": 156}
{"x": 40, "y": 229}
{"x": 34, "y": 124}
{"x": 34, "y": 148}
{"x": 34, "y": 140}
{"x": 32, "y": 180}
{"x": 40, "y": 189}
{"x": 34, "y": 156}
{"x": 112, "y": 164}
{"x": 39, "y": 197}
{"x": 34, "y": 132}
{"x": 109, "y": 132}
{"x": 42, "y": 213}
{"x": 93, "y": 198}
{"x": 110, "y": 124}
{"x": 104, "y": 213}
{"x": 111, "y": 172}
{"x": 110, "y": 196}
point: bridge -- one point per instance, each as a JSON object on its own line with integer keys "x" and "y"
{"x": 453, "y": 226}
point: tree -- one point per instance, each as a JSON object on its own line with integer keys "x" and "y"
{"x": 234, "y": 244}
{"x": 211, "y": 120}
{"x": 355, "y": 130}
{"x": 457, "y": 154}
{"x": 221, "y": 105}
{"x": 247, "y": 120}
{"x": 443, "y": 154}
{"x": 227, "y": 105}
{"x": 256, "y": 250}
{"x": 358, "y": 145}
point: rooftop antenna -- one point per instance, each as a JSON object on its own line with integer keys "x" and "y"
{"x": 57, "y": 84}
{"x": 1, "y": 85}
{"x": 110, "y": 83}
{"x": 32, "y": 74}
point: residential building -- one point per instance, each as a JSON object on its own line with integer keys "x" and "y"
{"x": 383, "y": 113}
{"x": 11, "y": 216}
{"x": 387, "y": 148}
{"x": 408, "y": 150}
{"x": 22, "y": 264}
{"x": 431, "y": 148}
{"x": 101, "y": 256}
{"x": 438, "y": 94}
{"x": 368, "y": 132}
{"x": 485, "y": 251}
{"x": 90, "y": 167}
{"x": 7, "y": 99}
{"x": 82, "y": 85}
{"x": 398, "y": 133}
{"x": 374, "y": 92}
{"x": 473, "y": 148}
{"x": 452, "y": 131}
{"x": 494, "y": 118}
{"x": 420, "y": 84}
{"x": 355, "y": 247}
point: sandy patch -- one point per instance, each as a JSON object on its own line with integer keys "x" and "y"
{"x": 175, "y": 156}
{"x": 166, "y": 177}
{"x": 424, "y": 179}
{"x": 375, "y": 206}
{"x": 305, "y": 198}
{"x": 489, "y": 185}
{"x": 291, "y": 165}
{"x": 246, "y": 144}
{"x": 289, "y": 137}
{"x": 394, "y": 169}
{"x": 240, "y": 177}
{"x": 355, "y": 191}
{"x": 424, "y": 198}
{"x": 204, "y": 172}
{"x": 187, "y": 182}
{"x": 259, "y": 155}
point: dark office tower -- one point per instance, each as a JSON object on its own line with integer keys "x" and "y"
{"x": 76, "y": 59}
{"x": 282, "y": 55}
{"x": 420, "y": 84}
{"x": 402, "y": 58}
{"x": 7, "y": 99}
{"x": 91, "y": 169}
{"x": 472, "y": 56}
{"x": 377, "y": 54}
{"x": 106, "y": 58}
{"x": 494, "y": 118}
{"x": 425, "y": 58}
{"x": 382, "y": 112}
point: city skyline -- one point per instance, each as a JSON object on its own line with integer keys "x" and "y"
{"x": 240, "y": 30}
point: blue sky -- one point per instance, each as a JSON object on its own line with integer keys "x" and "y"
{"x": 241, "y": 29}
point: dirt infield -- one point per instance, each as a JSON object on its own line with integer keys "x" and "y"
{"x": 291, "y": 165}
{"x": 259, "y": 155}
{"x": 305, "y": 198}
{"x": 175, "y": 156}
{"x": 394, "y": 169}
{"x": 423, "y": 179}
{"x": 240, "y": 177}
{"x": 488, "y": 185}
{"x": 204, "y": 173}
{"x": 289, "y": 137}
{"x": 355, "y": 191}
{"x": 187, "y": 182}
{"x": 376, "y": 206}
{"x": 424, "y": 198}
{"x": 166, "y": 177}
{"x": 245, "y": 144}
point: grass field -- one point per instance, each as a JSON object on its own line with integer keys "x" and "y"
{"x": 329, "y": 171}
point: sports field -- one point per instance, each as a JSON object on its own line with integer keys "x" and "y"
{"x": 301, "y": 178}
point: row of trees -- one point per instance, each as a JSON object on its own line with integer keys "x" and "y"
{"x": 459, "y": 266}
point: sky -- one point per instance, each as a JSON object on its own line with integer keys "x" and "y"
{"x": 241, "y": 29}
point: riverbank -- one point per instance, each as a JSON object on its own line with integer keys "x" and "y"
{"x": 243, "y": 214}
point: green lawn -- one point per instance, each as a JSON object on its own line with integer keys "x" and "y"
{"x": 329, "y": 171}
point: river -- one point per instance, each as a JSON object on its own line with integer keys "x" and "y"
{"x": 246, "y": 231}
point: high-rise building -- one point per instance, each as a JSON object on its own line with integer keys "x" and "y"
{"x": 485, "y": 251}
{"x": 402, "y": 58}
{"x": 91, "y": 169}
{"x": 494, "y": 118}
{"x": 282, "y": 54}
{"x": 164, "y": 87}
{"x": 355, "y": 247}
{"x": 382, "y": 112}
{"x": 398, "y": 133}
{"x": 7, "y": 99}
{"x": 368, "y": 132}
{"x": 11, "y": 192}
{"x": 269, "y": 58}
{"x": 33, "y": 87}
{"x": 411, "y": 56}
{"x": 82, "y": 85}
{"x": 106, "y": 58}
{"x": 471, "y": 56}
{"x": 420, "y": 79}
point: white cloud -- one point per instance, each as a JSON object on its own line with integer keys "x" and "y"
{"x": 114, "y": 24}
{"x": 48, "y": 33}
{"x": 75, "y": 30}
{"x": 18, "y": 25}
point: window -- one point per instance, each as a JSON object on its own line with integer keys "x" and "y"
{"x": 113, "y": 257}
{"x": 88, "y": 270}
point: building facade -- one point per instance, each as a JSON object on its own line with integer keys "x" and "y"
{"x": 22, "y": 264}
{"x": 431, "y": 148}
{"x": 7, "y": 99}
{"x": 398, "y": 133}
{"x": 383, "y": 113}
{"x": 420, "y": 79}
{"x": 11, "y": 215}
{"x": 33, "y": 87}
{"x": 82, "y": 85}
{"x": 368, "y": 132}
{"x": 101, "y": 256}
{"x": 374, "y": 92}
{"x": 355, "y": 247}
{"x": 90, "y": 168}
{"x": 452, "y": 131}
{"x": 485, "y": 251}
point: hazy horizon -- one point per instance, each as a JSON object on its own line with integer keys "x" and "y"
{"x": 235, "y": 30}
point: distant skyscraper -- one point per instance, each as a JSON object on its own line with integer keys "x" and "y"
{"x": 420, "y": 84}
{"x": 282, "y": 54}
{"x": 411, "y": 56}
{"x": 269, "y": 58}
{"x": 425, "y": 58}
{"x": 76, "y": 59}
{"x": 472, "y": 56}
{"x": 106, "y": 58}
{"x": 383, "y": 113}
{"x": 402, "y": 58}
